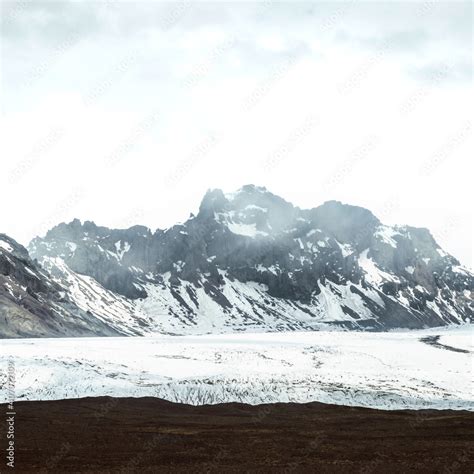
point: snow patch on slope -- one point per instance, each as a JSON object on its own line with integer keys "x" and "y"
{"x": 122, "y": 248}
{"x": 6, "y": 246}
{"x": 386, "y": 234}
{"x": 373, "y": 273}
{"x": 248, "y": 230}
{"x": 112, "y": 309}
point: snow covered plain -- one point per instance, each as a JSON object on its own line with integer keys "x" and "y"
{"x": 383, "y": 370}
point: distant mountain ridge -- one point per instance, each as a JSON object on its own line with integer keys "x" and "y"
{"x": 251, "y": 261}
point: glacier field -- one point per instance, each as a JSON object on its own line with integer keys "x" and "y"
{"x": 391, "y": 370}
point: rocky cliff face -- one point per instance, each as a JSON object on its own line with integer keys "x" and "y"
{"x": 252, "y": 261}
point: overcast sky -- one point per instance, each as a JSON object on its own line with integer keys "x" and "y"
{"x": 126, "y": 113}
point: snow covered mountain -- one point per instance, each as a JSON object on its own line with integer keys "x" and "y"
{"x": 35, "y": 303}
{"x": 250, "y": 261}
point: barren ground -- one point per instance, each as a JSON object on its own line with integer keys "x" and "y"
{"x": 99, "y": 435}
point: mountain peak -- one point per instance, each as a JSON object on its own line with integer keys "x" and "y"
{"x": 342, "y": 209}
{"x": 345, "y": 222}
{"x": 249, "y": 189}
{"x": 9, "y": 245}
{"x": 213, "y": 201}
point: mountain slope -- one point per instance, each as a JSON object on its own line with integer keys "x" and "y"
{"x": 252, "y": 261}
{"x": 33, "y": 304}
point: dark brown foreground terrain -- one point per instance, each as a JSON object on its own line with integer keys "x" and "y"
{"x": 150, "y": 435}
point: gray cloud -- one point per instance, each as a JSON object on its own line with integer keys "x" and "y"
{"x": 408, "y": 27}
{"x": 436, "y": 73}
